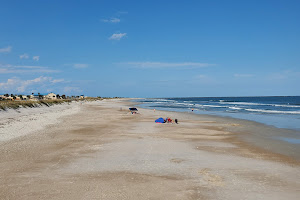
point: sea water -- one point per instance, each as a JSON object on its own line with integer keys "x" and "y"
{"x": 278, "y": 111}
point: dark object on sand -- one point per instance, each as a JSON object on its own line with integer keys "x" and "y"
{"x": 133, "y": 110}
{"x": 176, "y": 121}
{"x": 160, "y": 120}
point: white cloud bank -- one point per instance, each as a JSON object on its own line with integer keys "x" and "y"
{"x": 16, "y": 69}
{"x": 117, "y": 36}
{"x": 111, "y": 20}
{"x": 167, "y": 64}
{"x": 6, "y": 49}
{"x": 16, "y": 85}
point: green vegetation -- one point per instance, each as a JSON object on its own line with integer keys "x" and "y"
{"x": 5, "y": 104}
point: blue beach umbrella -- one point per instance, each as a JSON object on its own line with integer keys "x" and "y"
{"x": 160, "y": 120}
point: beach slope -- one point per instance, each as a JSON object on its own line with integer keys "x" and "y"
{"x": 102, "y": 151}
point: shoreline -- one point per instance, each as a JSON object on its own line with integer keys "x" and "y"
{"x": 267, "y": 113}
{"x": 274, "y": 139}
{"x": 103, "y": 151}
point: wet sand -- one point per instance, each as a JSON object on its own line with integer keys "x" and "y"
{"x": 104, "y": 152}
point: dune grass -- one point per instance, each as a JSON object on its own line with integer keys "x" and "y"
{"x": 4, "y": 105}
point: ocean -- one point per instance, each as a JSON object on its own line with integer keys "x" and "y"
{"x": 278, "y": 111}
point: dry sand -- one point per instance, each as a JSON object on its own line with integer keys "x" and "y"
{"x": 101, "y": 151}
{"x": 15, "y": 123}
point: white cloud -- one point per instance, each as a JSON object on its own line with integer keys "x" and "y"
{"x": 117, "y": 36}
{"x": 167, "y": 64}
{"x": 10, "y": 69}
{"x": 6, "y": 49}
{"x": 111, "y": 20}
{"x": 10, "y": 83}
{"x": 16, "y": 85}
{"x": 26, "y": 83}
{"x": 58, "y": 81}
{"x": 80, "y": 65}
{"x": 36, "y": 58}
{"x": 24, "y": 56}
{"x": 243, "y": 75}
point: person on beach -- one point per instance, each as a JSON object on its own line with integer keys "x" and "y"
{"x": 168, "y": 120}
{"x": 176, "y": 121}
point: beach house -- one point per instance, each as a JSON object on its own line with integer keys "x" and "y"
{"x": 8, "y": 97}
{"x": 24, "y": 97}
{"x": 34, "y": 97}
{"x": 50, "y": 96}
{"x": 17, "y": 98}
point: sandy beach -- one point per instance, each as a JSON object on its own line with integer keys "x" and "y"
{"x": 99, "y": 150}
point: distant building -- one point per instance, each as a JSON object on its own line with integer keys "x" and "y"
{"x": 50, "y": 96}
{"x": 34, "y": 97}
{"x": 9, "y": 98}
{"x": 17, "y": 98}
{"x": 24, "y": 97}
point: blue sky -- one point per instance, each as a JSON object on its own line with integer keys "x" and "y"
{"x": 150, "y": 48}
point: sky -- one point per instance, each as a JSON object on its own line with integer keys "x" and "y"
{"x": 151, "y": 48}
